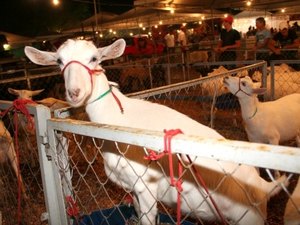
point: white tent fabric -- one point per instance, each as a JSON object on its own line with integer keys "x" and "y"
{"x": 247, "y": 18}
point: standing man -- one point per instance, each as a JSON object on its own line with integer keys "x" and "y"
{"x": 263, "y": 36}
{"x": 182, "y": 40}
{"x": 170, "y": 41}
{"x": 230, "y": 40}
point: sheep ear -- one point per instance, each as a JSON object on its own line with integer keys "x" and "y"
{"x": 40, "y": 57}
{"x": 112, "y": 51}
{"x": 259, "y": 91}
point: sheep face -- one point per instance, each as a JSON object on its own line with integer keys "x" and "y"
{"x": 242, "y": 87}
{"x": 79, "y": 61}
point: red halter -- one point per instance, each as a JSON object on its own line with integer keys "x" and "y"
{"x": 90, "y": 71}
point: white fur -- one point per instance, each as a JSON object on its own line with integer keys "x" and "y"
{"x": 286, "y": 81}
{"x": 292, "y": 210}
{"x": 215, "y": 86}
{"x": 133, "y": 172}
{"x": 266, "y": 122}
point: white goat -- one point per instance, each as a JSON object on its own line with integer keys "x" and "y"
{"x": 7, "y": 152}
{"x": 292, "y": 210}
{"x": 266, "y": 122}
{"x": 86, "y": 83}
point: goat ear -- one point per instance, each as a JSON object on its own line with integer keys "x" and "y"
{"x": 40, "y": 57}
{"x": 13, "y": 91}
{"x": 259, "y": 91}
{"x": 112, "y": 51}
{"x": 36, "y": 92}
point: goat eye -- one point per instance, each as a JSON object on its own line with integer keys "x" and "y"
{"x": 94, "y": 59}
{"x": 59, "y": 62}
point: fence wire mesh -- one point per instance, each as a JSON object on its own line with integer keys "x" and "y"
{"x": 82, "y": 168}
{"x": 100, "y": 189}
{"x": 27, "y": 206}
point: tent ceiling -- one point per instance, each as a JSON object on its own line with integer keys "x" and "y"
{"x": 150, "y": 17}
{"x": 269, "y": 5}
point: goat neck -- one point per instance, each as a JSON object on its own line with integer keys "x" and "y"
{"x": 107, "y": 105}
{"x": 249, "y": 106}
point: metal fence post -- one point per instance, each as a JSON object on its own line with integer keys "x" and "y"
{"x": 272, "y": 65}
{"x": 54, "y": 198}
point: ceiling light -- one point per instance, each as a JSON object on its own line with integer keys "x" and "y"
{"x": 248, "y": 3}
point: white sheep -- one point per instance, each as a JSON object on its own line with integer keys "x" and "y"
{"x": 87, "y": 84}
{"x": 292, "y": 210}
{"x": 7, "y": 152}
{"x": 286, "y": 81}
{"x": 215, "y": 87}
{"x": 266, "y": 122}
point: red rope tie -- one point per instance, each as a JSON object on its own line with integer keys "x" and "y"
{"x": 19, "y": 106}
{"x": 118, "y": 102}
{"x": 202, "y": 182}
{"x": 153, "y": 156}
{"x": 72, "y": 207}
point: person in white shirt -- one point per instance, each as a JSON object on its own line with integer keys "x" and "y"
{"x": 182, "y": 40}
{"x": 170, "y": 41}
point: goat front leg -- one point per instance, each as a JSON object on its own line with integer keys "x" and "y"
{"x": 145, "y": 204}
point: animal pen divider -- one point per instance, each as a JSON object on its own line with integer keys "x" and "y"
{"x": 91, "y": 198}
{"x": 76, "y": 189}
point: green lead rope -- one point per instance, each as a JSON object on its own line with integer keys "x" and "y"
{"x": 103, "y": 95}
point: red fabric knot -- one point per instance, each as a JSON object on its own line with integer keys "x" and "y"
{"x": 72, "y": 207}
{"x": 153, "y": 156}
{"x": 20, "y": 106}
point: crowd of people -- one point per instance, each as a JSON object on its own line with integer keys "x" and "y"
{"x": 282, "y": 45}
{"x": 269, "y": 45}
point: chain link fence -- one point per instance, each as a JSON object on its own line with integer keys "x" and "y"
{"x": 74, "y": 159}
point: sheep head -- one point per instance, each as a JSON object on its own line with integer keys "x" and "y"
{"x": 243, "y": 86}
{"x": 79, "y": 60}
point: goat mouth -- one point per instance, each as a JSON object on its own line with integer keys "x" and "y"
{"x": 225, "y": 82}
{"x": 76, "y": 102}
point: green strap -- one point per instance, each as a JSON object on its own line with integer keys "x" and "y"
{"x": 253, "y": 114}
{"x": 103, "y": 95}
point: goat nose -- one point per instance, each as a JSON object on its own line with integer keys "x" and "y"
{"x": 74, "y": 92}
